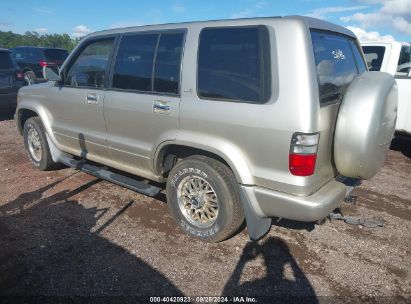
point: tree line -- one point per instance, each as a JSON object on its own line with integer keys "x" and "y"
{"x": 9, "y": 40}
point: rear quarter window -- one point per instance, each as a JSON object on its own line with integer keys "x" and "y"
{"x": 338, "y": 61}
{"x": 6, "y": 62}
{"x": 374, "y": 56}
{"x": 404, "y": 62}
{"x": 234, "y": 64}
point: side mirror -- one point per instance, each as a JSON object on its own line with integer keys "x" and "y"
{"x": 409, "y": 73}
{"x": 50, "y": 75}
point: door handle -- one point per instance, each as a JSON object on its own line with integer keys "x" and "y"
{"x": 92, "y": 98}
{"x": 160, "y": 106}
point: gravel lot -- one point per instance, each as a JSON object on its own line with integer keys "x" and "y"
{"x": 66, "y": 233}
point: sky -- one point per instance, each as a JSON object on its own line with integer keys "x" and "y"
{"x": 368, "y": 19}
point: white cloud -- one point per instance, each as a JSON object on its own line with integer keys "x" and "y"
{"x": 44, "y": 11}
{"x": 80, "y": 31}
{"x": 322, "y": 13}
{"x": 41, "y": 30}
{"x": 178, "y": 8}
{"x": 365, "y": 36}
{"x": 391, "y": 13}
{"x": 251, "y": 11}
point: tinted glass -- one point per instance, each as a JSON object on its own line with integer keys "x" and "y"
{"x": 54, "y": 55}
{"x": 89, "y": 69}
{"x": 336, "y": 65}
{"x": 359, "y": 60}
{"x": 404, "y": 63}
{"x": 233, "y": 64}
{"x": 6, "y": 62}
{"x": 168, "y": 62}
{"x": 27, "y": 54}
{"x": 374, "y": 56}
{"x": 134, "y": 63}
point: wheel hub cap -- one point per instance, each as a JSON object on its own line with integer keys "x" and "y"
{"x": 197, "y": 201}
{"x": 34, "y": 144}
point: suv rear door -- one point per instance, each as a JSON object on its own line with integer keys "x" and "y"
{"x": 338, "y": 61}
{"x": 141, "y": 107}
{"x": 77, "y": 102}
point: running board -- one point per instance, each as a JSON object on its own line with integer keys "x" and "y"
{"x": 106, "y": 174}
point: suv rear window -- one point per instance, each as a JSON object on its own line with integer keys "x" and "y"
{"x": 55, "y": 55}
{"x": 6, "y": 62}
{"x": 234, "y": 64}
{"x": 338, "y": 61}
{"x": 374, "y": 56}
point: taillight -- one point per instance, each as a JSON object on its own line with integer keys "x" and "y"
{"x": 44, "y": 63}
{"x": 19, "y": 75}
{"x": 303, "y": 154}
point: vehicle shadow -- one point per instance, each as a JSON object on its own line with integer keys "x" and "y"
{"x": 284, "y": 281}
{"x": 402, "y": 144}
{"x": 48, "y": 248}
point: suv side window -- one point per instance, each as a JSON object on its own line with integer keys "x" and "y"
{"x": 168, "y": 62}
{"x": 140, "y": 55}
{"x": 134, "y": 63}
{"x": 6, "y": 61}
{"x": 374, "y": 56}
{"x": 336, "y": 64}
{"x": 90, "y": 66}
{"x": 234, "y": 64}
{"x": 404, "y": 62}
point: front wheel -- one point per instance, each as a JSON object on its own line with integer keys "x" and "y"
{"x": 36, "y": 145}
{"x": 203, "y": 198}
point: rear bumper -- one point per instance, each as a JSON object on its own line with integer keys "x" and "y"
{"x": 268, "y": 203}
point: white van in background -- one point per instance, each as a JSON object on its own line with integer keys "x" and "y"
{"x": 395, "y": 59}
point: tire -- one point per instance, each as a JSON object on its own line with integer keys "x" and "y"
{"x": 216, "y": 178}
{"x": 365, "y": 125}
{"x": 30, "y": 77}
{"x": 36, "y": 145}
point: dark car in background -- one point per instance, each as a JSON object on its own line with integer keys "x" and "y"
{"x": 11, "y": 80}
{"x": 32, "y": 60}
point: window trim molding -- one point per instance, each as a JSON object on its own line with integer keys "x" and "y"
{"x": 269, "y": 74}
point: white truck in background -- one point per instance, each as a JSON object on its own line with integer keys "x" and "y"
{"x": 395, "y": 59}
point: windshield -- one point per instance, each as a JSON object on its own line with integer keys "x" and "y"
{"x": 338, "y": 61}
{"x": 55, "y": 55}
{"x": 6, "y": 62}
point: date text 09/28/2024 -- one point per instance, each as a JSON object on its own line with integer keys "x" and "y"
{"x": 203, "y": 299}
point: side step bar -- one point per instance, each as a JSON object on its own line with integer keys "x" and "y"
{"x": 106, "y": 174}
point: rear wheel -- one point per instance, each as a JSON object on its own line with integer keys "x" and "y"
{"x": 203, "y": 198}
{"x": 36, "y": 145}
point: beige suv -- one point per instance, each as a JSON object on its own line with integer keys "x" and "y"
{"x": 240, "y": 119}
